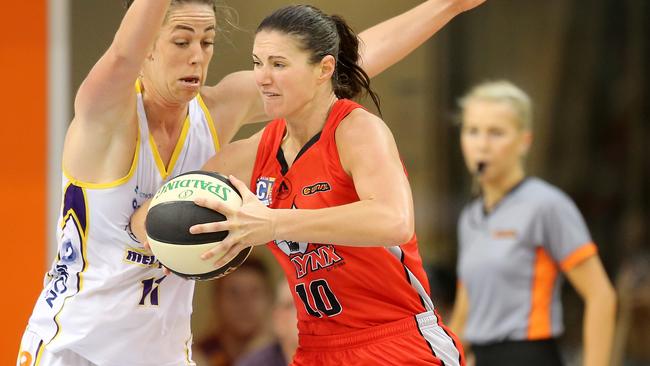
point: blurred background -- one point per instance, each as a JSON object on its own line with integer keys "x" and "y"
{"x": 585, "y": 63}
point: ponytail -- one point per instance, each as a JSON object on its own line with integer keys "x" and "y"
{"x": 350, "y": 80}
{"x": 323, "y": 35}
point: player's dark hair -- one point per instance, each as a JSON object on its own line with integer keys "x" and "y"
{"x": 324, "y": 35}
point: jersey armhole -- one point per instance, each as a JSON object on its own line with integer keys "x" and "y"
{"x": 114, "y": 183}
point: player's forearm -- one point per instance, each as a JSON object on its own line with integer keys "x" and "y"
{"x": 390, "y": 41}
{"x": 459, "y": 311}
{"x": 138, "y": 30}
{"x": 598, "y": 332}
{"x": 138, "y": 222}
{"x": 105, "y": 91}
{"x": 363, "y": 223}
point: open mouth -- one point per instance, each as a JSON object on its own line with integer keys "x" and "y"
{"x": 190, "y": 80}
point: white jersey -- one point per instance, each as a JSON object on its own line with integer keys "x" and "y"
{"x": 104, "y": 297}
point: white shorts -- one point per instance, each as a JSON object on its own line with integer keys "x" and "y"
{"x": 33, "y": 352}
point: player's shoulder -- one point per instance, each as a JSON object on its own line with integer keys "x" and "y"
{"x": 361, "y": 116}
{"x": 234, "y": 156}
{"x": 360, "y": 122}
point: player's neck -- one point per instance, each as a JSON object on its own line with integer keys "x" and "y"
{"x": 308, "y": 121}
{"x": 163, "y": 114}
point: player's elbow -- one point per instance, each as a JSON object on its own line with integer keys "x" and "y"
{"x": 606, "y": 295}
{"x": 402, "y": 228}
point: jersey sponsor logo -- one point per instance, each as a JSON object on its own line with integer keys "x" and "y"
{"x": 143, "y": 195}
{"x": 218, "y": 190}
{"x": 504, "y": 234}
{"x": 58, "y": 285}
{"x": 264, "y": 189}
{"x": 316, "y": 188}
{"x": 67, "y": 253}
{"x": 143, "y": 259}
{"x": 285, "y": 189}
{"x": 320, "y": 257}
{"x": 291, "y": 247}
{"x": 140, "y": 196}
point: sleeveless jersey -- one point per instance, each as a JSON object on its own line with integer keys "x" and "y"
{"x": 105, "y": 298}
{"x": 336, "y": 288}
{"x": 510, "y": 260}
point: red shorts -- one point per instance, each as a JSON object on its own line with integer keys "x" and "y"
{"x": 413, "y": 341}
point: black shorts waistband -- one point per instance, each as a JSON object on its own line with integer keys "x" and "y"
{"x": 544, "y": 352}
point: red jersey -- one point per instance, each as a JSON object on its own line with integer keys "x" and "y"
{"x": 336, "y": 288}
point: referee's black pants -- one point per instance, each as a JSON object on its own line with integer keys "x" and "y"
{"x": 518, "y": 353}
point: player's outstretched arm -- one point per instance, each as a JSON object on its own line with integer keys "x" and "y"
{"x": 382, "y": 46}
{"x": 386, "y": 43}
{"x": 100, "y": 142}
{"x": 109, "y": 84}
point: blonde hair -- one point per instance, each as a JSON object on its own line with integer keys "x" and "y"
{"x": 503, "y": 91}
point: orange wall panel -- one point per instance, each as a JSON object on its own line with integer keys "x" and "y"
{"x": 23, "y": 179}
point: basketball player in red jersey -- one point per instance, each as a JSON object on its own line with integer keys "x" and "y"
{"x": 332, "y": 201}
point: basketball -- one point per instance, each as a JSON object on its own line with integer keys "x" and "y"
{"x": 171, "y": 214}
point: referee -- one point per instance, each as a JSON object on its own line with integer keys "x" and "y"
{"x": 518, "y": 238}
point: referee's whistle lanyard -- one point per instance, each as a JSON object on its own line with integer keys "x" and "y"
{"x": 478, "y": 218}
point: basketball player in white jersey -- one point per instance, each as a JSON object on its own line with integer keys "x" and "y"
{"x": 143, "y": 115}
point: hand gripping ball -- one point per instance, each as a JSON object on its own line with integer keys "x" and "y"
{"x": 171, "y": 214}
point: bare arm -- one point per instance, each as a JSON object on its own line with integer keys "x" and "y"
{"x": 384, "y": 213}
{"x": 383, "y": 216}
{"x": 591, "y": 282}
{"x": 459, "y": 319}
{"x": 459, "y": 312}
{"x": 236, "y": 158}
{"x": 383, "y": 45}
{"x": 110, "y": 83}
{"x": 236, "y": 101}
{"x": 100, "y": 142}
{"x": 388, "y": 42}
{"x": 137, "y": 222}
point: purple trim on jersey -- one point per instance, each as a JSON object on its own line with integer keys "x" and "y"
{"x": 38, "y": 351}
{"x": 75, "y": 200}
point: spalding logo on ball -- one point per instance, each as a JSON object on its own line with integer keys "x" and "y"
{"x": 171, "y": 214}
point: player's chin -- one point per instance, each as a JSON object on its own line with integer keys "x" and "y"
{"x": 188, "y": 91}
{"x": 273, "y": 109}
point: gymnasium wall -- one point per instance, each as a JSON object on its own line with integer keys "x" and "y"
{"x": 23, "y": 145}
